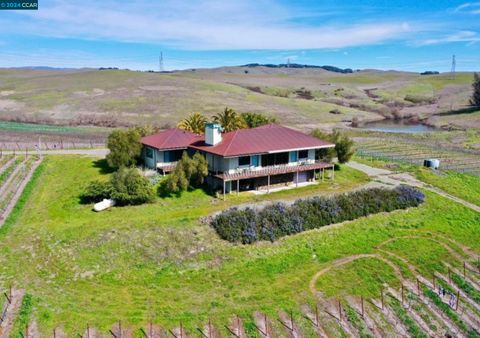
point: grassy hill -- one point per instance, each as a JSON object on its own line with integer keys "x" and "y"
{"x": 301, "y": 97}
{"x": 158, "y": 262}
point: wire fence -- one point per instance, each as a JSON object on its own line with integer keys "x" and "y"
{"x": 415, "y": 154}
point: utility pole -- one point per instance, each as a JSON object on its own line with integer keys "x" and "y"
{"x": 160, "y": 62}
{"x": 454, "y": 65}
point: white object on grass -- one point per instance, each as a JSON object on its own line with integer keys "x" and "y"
{"x": 105, "y": 204}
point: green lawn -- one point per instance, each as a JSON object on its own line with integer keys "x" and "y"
{"x": 464, "y": 186}
{"x": 362, "y": 277}
{"x": 158, "y": 261}
{"x": 460, "y": 185}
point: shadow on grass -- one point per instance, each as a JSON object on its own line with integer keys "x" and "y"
{"x": 103, "y": 166}
{"x": 164, "y": 192}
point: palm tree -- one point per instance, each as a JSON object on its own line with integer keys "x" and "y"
{"x": 195, "y": 122}
{"x": 230, "y": 120}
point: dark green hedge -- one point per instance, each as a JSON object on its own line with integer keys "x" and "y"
{"x": 278, "y": 220}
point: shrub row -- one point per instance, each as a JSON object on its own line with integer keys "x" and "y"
{"x": 248, "y": 226}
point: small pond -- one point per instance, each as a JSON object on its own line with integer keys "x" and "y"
{"x": 397, "y": 126}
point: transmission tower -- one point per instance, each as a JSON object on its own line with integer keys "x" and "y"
{"x": 160, "y": 62}
{"x": 454, "y": 65}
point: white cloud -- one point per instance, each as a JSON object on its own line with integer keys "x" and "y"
{"x": 206, "y": 24}
{"x": 462, "y": 36}
{"x": 468, "y": 7}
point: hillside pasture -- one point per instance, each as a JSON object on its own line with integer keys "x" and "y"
{"x": 159, "y": 262}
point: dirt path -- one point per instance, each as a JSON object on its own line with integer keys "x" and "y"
{"x": 388, "y": 178}
{"x": 12, "y": 175}
{"x": 6, "y": 165}
{"x": 7, "y": 325}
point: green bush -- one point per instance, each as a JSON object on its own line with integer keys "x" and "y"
{"x": 475, "y": 99}
{"x": 126, "y": 186}
{"x": 130, "y": 187}
{"x": 189, "y": 172}
{"x": 125, "y": 147}
{"x": 247, "y": 225}
{"x": 253, "y": 120}
{"x": 344, "y": 146}
{"x": 96, "y": 191}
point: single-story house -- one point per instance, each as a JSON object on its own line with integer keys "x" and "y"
{"x": 244, "y": 159}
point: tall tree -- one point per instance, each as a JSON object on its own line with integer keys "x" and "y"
{"x": 195, "y": 123}
{"x": 229, "y": 120}
{"x": 253, "y": 120}
{"x": 125, "y": 148}
{"x": 343, "y": 150}
{"x": 475, "y": 100}
{"x": 343, "y": 146}
{"x": 189, "y": 172}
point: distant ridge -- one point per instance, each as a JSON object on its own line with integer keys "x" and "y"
{"x": 297, "y": 65}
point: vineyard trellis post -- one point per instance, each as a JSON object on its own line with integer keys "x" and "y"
{"x": 266, "y": 324}
{"x": 339, "y": 310}
{"x": 458, "y": 300}
{"x": 363, "y": 308}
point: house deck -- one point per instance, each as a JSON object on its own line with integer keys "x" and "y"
{"x": 272, "y": 170}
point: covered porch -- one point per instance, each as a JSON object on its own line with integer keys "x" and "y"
{"x": 270, "y": 177}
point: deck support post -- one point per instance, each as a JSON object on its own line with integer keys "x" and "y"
{"x": 314, "y": 175}
{"x": 323, "y": 174}
{"x": 224, "y": 190}
{"x": 268, "y": 184}
{"x": 297, "y": 179}
{"x": 333, "y": 173}
{"x": 238, "y": 186}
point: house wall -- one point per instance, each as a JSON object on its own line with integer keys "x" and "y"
{"x": 158, "y": 157}
{"x": 219, "y": 164}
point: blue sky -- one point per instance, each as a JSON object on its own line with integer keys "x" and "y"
{"x": 406, "y": 35}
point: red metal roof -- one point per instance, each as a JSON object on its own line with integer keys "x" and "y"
{"x": 174, "y": 138}
{"x": 265, "y": 139}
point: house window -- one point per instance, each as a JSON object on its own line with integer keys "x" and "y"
{"x": 303, "y": 154}
{"x": 243, "y": 160}
{"x": 173, "y": 155}
{"x": 149, "y": 152}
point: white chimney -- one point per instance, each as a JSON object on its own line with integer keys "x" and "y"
{"x": 213, "y": 134}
